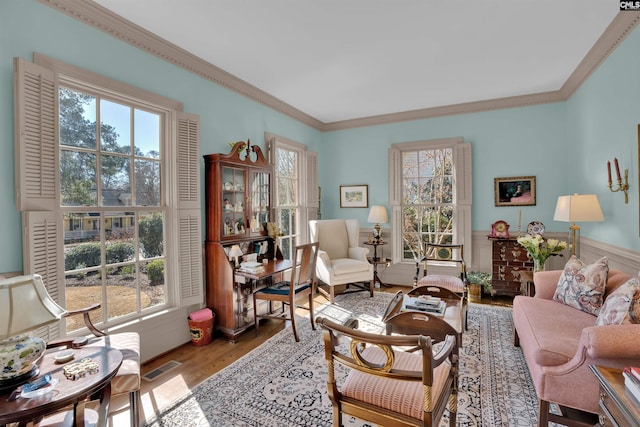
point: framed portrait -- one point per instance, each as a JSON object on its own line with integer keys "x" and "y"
{"x": 515, "y": 191}
{"x": 354, "y": 196}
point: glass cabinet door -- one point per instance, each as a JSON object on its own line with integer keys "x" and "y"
{"x": 260, "y": 200}
{"x": 233, "y": 202}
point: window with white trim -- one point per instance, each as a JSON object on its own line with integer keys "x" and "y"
{"x": 108, "y": 218}
{"x": 430, "y": 192}
{"x": 295, "y": 191}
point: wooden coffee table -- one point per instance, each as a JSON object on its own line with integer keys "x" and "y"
{"x": 66, "y": 392}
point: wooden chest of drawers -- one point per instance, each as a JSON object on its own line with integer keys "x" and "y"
{"x": 509, "y": 258}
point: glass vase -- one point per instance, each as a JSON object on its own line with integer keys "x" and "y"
{"x": 538, "y": 264}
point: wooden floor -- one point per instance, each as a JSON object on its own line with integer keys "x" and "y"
{"x": 199, "y": 363}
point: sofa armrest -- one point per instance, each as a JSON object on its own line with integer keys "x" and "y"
{"x": 358, "y": 253}
{"x": 546, "y": 283}
{"x": 612, "y": 341}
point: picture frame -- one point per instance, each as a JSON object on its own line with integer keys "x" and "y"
{"x": 354, "y": 196}
{"x": 515, "y": 191}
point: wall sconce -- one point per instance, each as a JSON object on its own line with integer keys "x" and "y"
{"x": 624, "y": 187}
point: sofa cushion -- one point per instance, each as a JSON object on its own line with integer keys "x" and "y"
{"x": 535, "y": 320}
{"x": 622, "y": 305}
{"x": 582, "y": 286}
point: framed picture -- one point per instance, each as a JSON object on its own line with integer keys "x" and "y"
{"x": 354, "y": 196}
{"x": 515, "y": 191}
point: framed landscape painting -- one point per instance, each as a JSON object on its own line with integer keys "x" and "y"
{"x": 515, "y": 191}
{"x": 354, "y": 196}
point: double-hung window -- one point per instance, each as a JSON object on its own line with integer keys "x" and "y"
{"x": 430, "y": 194}
{"x": 108, "y": 183}
{"x": 295, "y": 191}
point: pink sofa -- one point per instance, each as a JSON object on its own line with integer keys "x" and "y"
{"x": 559, "y": 343}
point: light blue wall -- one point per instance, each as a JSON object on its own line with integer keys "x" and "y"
{"x": 602, "y": 123}
{"x": 28, "y": 26}
{"x": 514, "y": 142}
{"x": 565, "y": 145}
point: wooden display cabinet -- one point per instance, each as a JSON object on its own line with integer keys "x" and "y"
{"x": 238, "y": 195}
{"x": 509, "y": 259}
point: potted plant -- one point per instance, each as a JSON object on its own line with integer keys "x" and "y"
{"x": 479, "y": 281}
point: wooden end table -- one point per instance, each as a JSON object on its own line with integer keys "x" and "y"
{"x": 375, "y": 260}
{"x": 66, "y": 392}
{"x": 617, "y": 406}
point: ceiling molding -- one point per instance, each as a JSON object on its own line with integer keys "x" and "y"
{"x": 103, "y": 19}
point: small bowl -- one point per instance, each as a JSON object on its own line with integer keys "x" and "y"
{"x": 63, "y": 356}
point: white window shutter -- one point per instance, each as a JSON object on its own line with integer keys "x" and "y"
{"x": 188, "y": 155}
{"x": 189, "y": 213}
{"x": 36, "y": 136}
{"x": 42, "y": 253}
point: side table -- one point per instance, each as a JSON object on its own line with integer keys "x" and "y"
{"x": 66, "y": 392}
{"x": 375, "y": 260}
{"x": 617, "y": 406}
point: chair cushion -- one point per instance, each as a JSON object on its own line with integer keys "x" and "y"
{"x": 128, "y": 377}
{"x": 582, "y": 286}
{"x": 282, "y": 288}
{"x": 622, "y": 305}
{"x": 348, "y": 266}
{"x": 452, "y": 283}
{"x": 404, "y": 397}
{"x": 333, "y": 238}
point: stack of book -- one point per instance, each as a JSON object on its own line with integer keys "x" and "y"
{"x": 251, "y": 267}
{"x": 632, "y": 381}
{"x": 426, "y": 303}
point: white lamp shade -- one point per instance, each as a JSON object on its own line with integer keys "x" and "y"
{"x": 578, "y": 208}
{"x": 235, "y": 251}
{"x": 26, "y": 305}
{"x": 378, "y": 215}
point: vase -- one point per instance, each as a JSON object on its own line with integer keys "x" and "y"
{"x": 538, "y": 264}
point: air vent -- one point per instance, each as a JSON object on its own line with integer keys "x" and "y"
{"x": 150, "y": 376}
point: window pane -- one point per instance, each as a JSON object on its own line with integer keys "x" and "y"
{"x": 77, "y": 178}
{"x": 122, "y": 292}
{"x": 146, "y": 134}
{"x": 115, "y": 127}
{"x": 77, "y": 119}
{"x": 116, "y": 181}
{"x": 152, "y": 281}
{"x": 82, "y": 290}
{"x": 150, "y": 235}
{"x": 82, "y": 247}
{"x": 147, "y": 183}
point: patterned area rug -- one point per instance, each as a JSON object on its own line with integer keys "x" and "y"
{"x": 283, "y": 383}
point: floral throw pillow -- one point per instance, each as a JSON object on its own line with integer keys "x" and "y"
{"x": 623, "y": 305}
{"x": 582, "y": 286}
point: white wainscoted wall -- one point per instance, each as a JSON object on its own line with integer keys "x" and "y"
{"x": 479, "y": 259}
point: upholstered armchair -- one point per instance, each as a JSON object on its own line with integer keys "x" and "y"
{"x": 340, "y": 260}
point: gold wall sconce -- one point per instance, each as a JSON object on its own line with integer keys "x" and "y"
{"x": 622, "y": 186}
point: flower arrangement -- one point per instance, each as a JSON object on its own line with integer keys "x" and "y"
{"x": 540, "y": 249}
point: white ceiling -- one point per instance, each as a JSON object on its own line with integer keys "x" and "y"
{"x": 345, "y": 59}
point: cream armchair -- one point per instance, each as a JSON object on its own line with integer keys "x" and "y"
{"x": 340, "y": 260}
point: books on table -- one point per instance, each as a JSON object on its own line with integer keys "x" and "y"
{"x": 425, "y": 304}
{"x": 632, "y": 381}
{"x": 251, "y": 267}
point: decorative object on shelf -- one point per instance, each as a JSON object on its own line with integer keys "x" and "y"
{"x": 535, "y": 227}
{"x": 578, "y": 208}
{"x": 234, "y": 253}
{"x": 515, "y": 191}
{"x": 378, "y": 214}
{"x": 622, "y": 186}
{"x": 354, "y": 196}
{"x": 26, "y": 307}
{"x": 499, "y": 230}
{"x": 227, "y": 205}
{"x": 540, "y": 249}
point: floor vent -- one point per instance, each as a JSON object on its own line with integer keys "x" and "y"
{"x": 150, "y": 376}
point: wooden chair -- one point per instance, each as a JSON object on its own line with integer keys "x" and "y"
{"x": 127, "y": 380}
{"x": 388, "y": 386}
{"x": 301, "y": 283}
{"x": 448, "y": 255}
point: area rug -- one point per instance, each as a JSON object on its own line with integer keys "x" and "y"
{"x": 283, "y": 383}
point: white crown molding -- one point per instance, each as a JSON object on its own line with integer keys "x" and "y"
{"x": 103, "y": 19}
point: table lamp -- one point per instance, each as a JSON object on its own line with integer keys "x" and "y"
{"x": 378, "y": 214}
{"x": 578, "y": 208}
{"x": 25, "y": 305}
{"x": 235, "y": 252}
